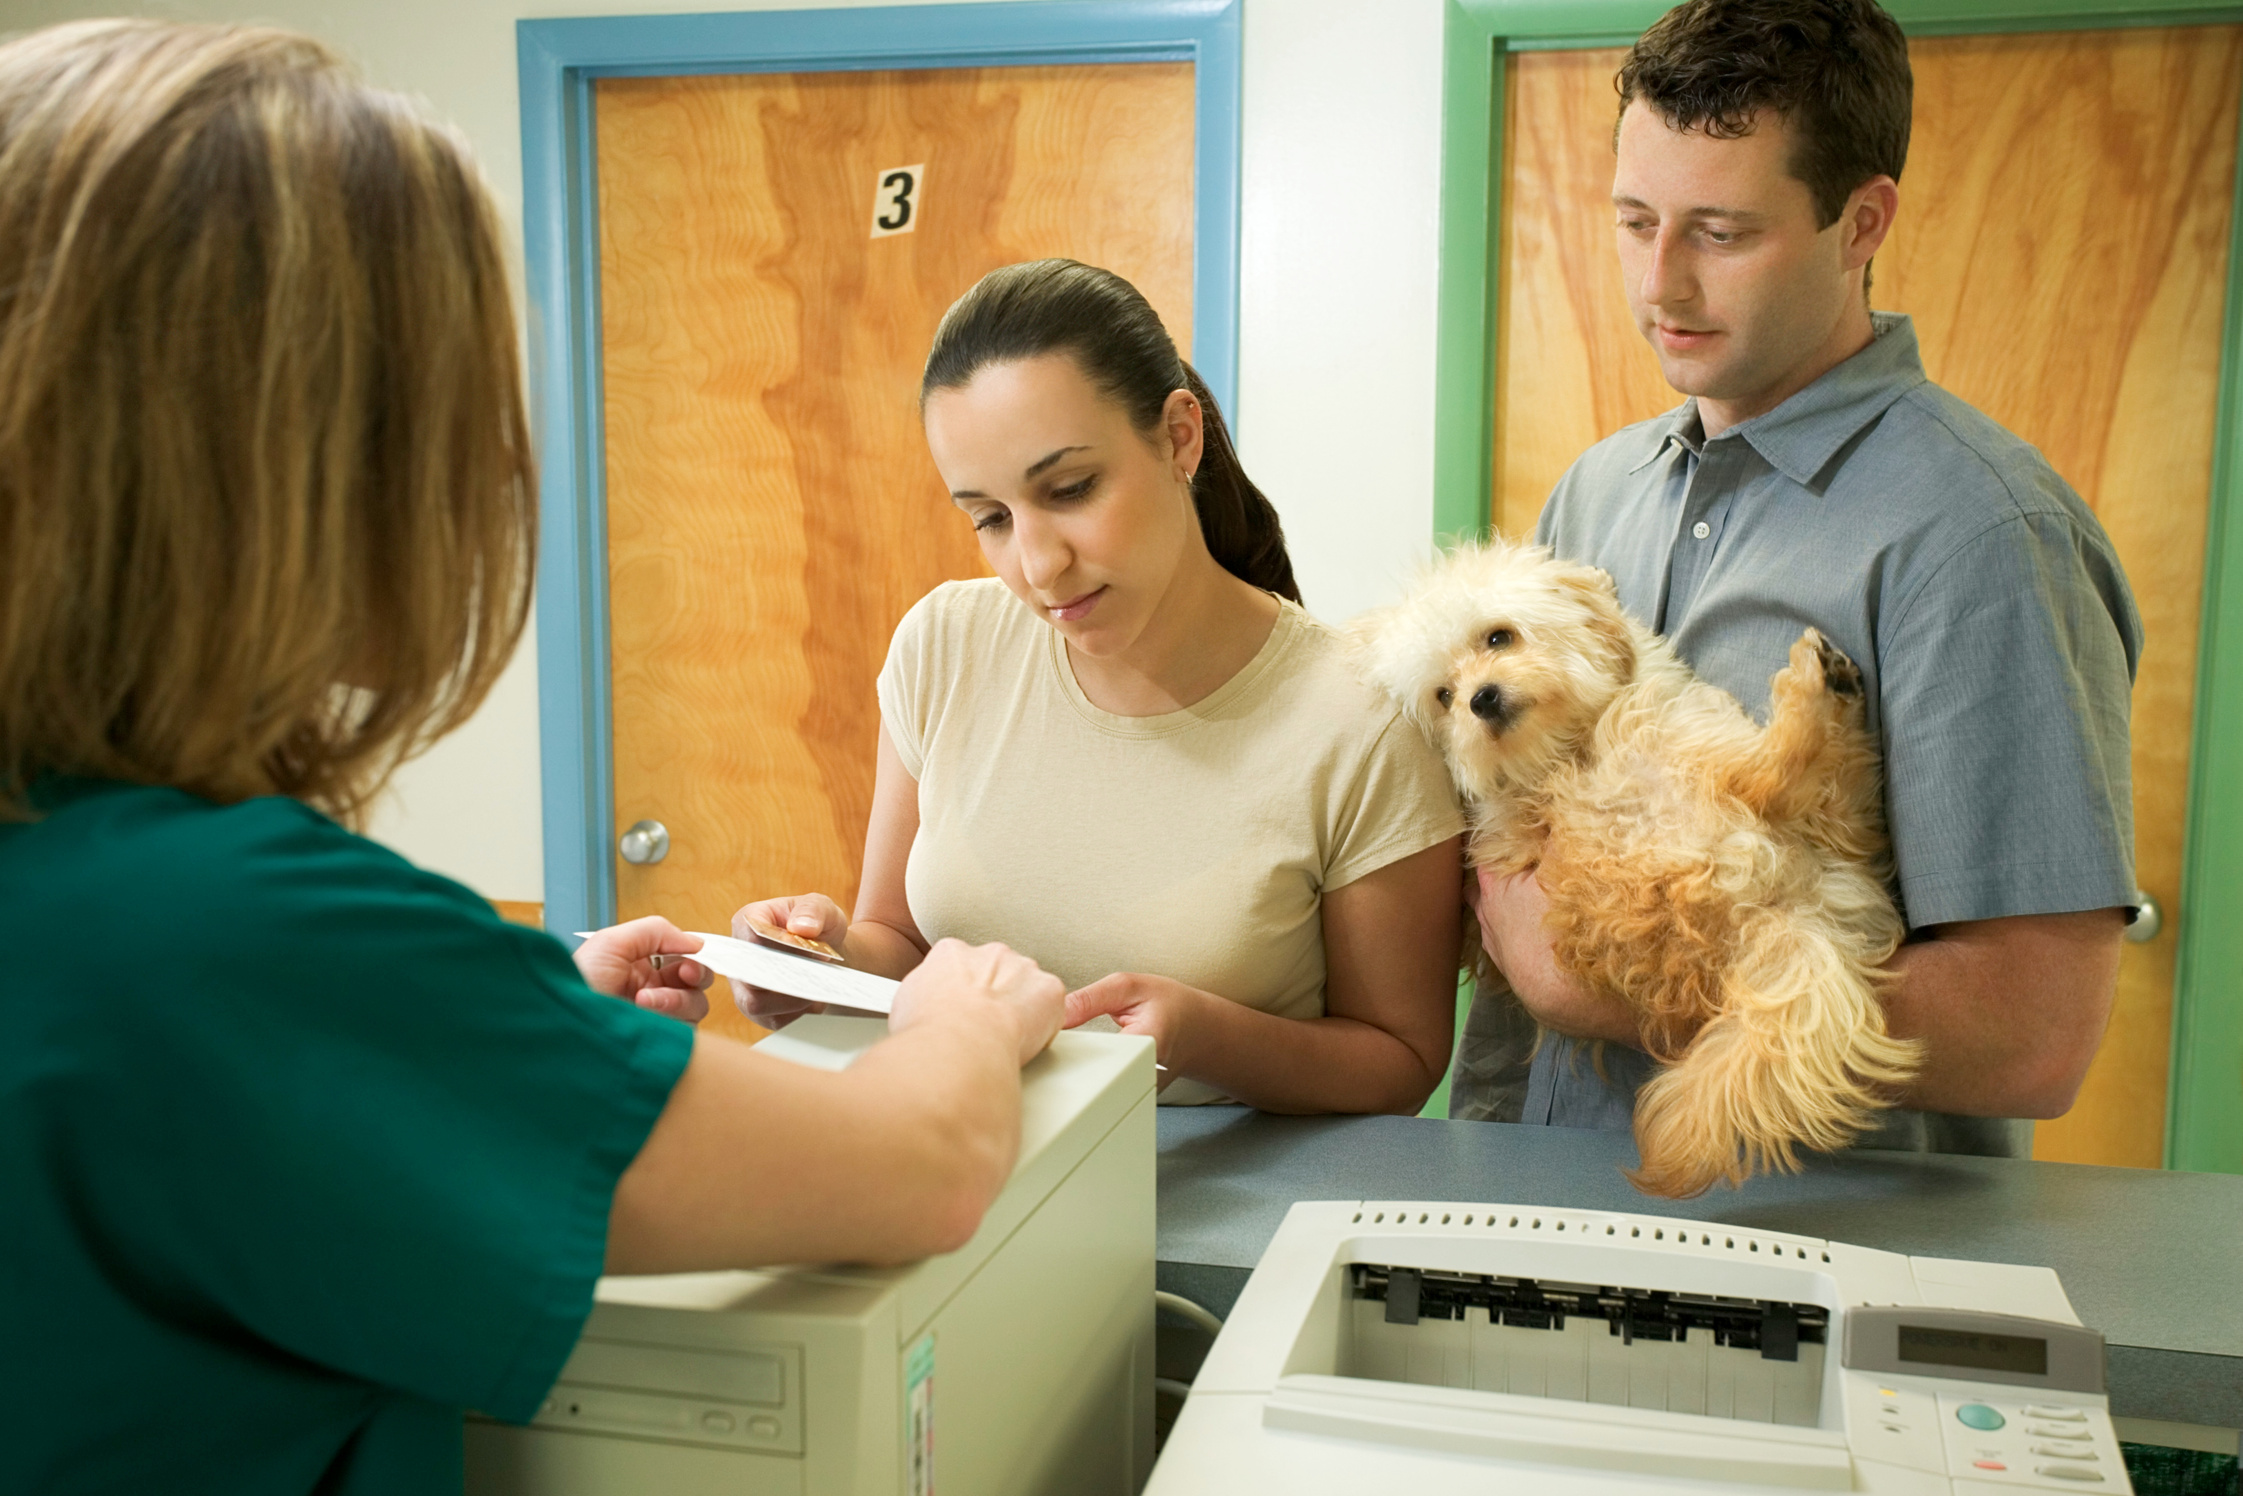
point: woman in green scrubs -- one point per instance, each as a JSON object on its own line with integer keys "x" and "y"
{"x": 302, "y": 1151}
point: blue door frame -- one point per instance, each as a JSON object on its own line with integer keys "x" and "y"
{"x": 559, "y": 61}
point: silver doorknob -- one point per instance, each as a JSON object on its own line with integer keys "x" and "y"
{"x": 645, "y": 842}
{"x": 2148, "y": 918}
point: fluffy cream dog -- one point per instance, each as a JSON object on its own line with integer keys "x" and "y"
{"x": 1726, "y": 880}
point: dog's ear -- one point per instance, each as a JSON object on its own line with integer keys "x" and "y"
{"x": 1607, "y": 624}
{"x": 1359, "y": 636}
{"x": 1362, "y": 646}
{"x": 1589, "y": 581}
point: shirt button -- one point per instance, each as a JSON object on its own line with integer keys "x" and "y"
{"x": 1701, "y": 529}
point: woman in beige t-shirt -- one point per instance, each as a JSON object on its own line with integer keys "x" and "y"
{"x": 1130, "y": 754}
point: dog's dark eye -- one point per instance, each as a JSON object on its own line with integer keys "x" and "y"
{"x": 1502, "y": 639}
{"x": 1443, "y": 695}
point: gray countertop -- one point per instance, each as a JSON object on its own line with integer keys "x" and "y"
{"x": 2152, "y": 1259}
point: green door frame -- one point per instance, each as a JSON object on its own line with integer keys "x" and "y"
{"x": 2204, "y": 1124}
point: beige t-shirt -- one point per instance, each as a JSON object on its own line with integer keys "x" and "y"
{"x": 1195, "y": 845}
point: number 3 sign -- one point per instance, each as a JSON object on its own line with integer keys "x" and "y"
{"x": 895, "y": 200}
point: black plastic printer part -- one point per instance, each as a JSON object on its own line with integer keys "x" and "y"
{"x": 1779, "y": 1333}
{"x": 1774, "y": 1328}
{"x": 1401, "y": 1296}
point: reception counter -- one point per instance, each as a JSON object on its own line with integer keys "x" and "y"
{"x": 2153, "y": 1260}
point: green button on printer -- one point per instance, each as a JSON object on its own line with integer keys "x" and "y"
{"x": 1979, "y": 1416}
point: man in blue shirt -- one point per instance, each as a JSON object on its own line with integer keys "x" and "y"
{"x": 1814, "y": 476}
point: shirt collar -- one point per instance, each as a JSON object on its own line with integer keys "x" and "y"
{"x": 1677, "y": 428}
{"x": 1800, "y": 436}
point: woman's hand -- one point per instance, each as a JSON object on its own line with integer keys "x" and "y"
{"x": 954, "y": 973}
{"x": 622, "y": 961}
{"x": 755, "y": 1160}
{"x": 1511, "y": 909}
{"x": 1158, "y": 1008}
{"x": 808, "y": 914}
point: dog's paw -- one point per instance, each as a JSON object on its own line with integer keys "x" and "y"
{"x": 1840, "y": 675}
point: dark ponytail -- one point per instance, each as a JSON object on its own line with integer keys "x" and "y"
{"x": 1113, "y": 334}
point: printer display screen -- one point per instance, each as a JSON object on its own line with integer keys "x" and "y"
{"x": 1966, "y": 1348}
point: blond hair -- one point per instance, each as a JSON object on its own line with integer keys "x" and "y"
{"x": 267, "y": 508}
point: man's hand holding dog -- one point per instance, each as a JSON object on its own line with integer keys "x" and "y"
{"x": 1511, "y": 909}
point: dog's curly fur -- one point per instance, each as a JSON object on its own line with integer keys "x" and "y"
{"x": 1726, "y": 880}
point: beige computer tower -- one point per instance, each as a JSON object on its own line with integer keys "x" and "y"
{"x": 1022, "y": 1363}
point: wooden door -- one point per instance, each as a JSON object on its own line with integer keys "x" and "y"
{"x": 2062, "y": 247}
{"x": 771, "y": 508}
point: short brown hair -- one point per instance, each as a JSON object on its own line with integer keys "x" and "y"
{"x": 1837, "y": 70}
{"x": 267, "y": 505}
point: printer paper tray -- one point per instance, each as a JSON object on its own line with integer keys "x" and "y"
{"x": 1551, "y": 1431}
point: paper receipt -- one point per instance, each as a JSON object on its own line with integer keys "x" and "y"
{"x": 805, "y": 977}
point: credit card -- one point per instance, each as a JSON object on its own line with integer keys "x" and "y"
{"x": 771, "y": 934}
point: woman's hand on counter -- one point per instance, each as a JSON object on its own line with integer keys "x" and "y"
{"x": 1158, "y": 1008}
{"x": 1389, "y": 1016}
{"x": 621, "y": 962}
{"x": 811, "y": 915}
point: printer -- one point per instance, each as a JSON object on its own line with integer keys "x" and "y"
{"x": 1021, "y": 1363}
{"x": 1438, "y": 1348}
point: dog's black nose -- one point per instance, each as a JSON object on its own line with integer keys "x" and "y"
{"x": 1487, "y": 703}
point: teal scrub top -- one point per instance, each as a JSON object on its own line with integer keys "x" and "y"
{"x": 302, "y": 1152}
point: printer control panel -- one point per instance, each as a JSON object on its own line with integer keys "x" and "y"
{"x": 1985, "y": 1399}
{"x": 1998, "y": 1435}
{"x": 2016, "y": 1441}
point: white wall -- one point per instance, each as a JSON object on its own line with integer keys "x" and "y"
{"x": 1340, "y": 181}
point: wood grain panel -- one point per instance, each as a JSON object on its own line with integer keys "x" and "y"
{"x": 2062, "y": 247}
{"x": 1571, "y": 368}
{"x": 772, "y": 511}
